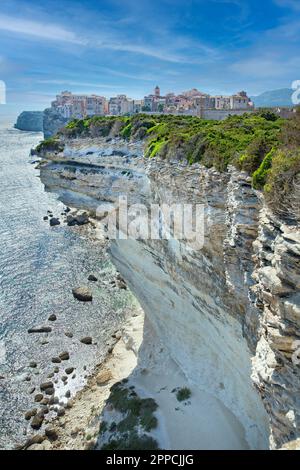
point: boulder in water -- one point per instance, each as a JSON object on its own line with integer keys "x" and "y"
{"x": 64, "y": 356}
{"x": 78, "y": 219}
{"x": 54, "y": 221}
{"x": 40, "y": 329}
{"x": 37, "y": 420}
{"x": 87, "y": 340}
{"x": 83, "y": 294}
{"x": 46, "y": 385}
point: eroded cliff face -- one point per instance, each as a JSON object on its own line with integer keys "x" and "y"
{"x": 30, "y": 121}
{"x": 52, "y": 122}
{"x": 228, "y": 314}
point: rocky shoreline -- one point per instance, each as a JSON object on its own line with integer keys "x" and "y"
{"x": 54, "y": 398}
{"x": 77, "y": 426}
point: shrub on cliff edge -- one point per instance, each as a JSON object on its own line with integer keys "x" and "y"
{"x": 282, "y": 189}
{"x": 50, "y": 145}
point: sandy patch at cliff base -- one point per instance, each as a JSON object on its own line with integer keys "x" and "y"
{"x": 202, "y": 422}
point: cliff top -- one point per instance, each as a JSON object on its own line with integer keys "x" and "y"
{"x": 262, "y": 144}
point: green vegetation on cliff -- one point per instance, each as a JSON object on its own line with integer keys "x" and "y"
{"x": 137, "y": 419}
{"x": 241, "y": 140}
{"x": 262, "y": 144}
{"x": 53, "y": 144}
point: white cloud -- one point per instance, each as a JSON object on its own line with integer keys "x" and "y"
{"x": 47, "y": 31}
{"x": 261, "y": 67}
{"x": 202, "y": 53}
{"x": 109, "y": 40}
{"x": 156, "y": 53}
{"x": 118, "y": 73}
{"x": 293, "y": 4}
{"x": 75, "y": 83}
{"x": 287, "y": 31}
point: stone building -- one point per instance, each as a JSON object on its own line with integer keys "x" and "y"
{"x": 69, "y": 105}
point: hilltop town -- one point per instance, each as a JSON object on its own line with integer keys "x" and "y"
{"x": 193, "y": 102}
{"x": 68, "y": 106}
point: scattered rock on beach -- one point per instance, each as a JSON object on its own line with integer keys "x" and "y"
{"x": 46, "y": 385}
{"x": 45, "y": 445}
{"x": 37, "y": 420}
{"x": 61, "y": 412}
{"x": 38, "y": 397}
{"x": 51, "y": 433}
{"x": 53, "y": 400}
{"x": 40, "y": 329}
{"x": 69, "y": 370}
{"x": 52, "y": 317}
{"x": 87, "y": 340}
{"x": 78, "y": 219}
{"x": 37, "y": 439}
{"x": 46, "y": 217}
{"x": 45, "y": 409}
{"x": 33, "y": 364}
{"x": 92, "y": 278}
{"x": 30, "y": 413}
{"x": 83, "y": 294}
{"x": 68, "y": 334}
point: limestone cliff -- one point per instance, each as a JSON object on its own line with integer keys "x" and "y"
{"x": 52, "y": 122}
{"x": 47, "y": 121}
{"x": 228, "y": 314}
{"x": 30, "y": 121}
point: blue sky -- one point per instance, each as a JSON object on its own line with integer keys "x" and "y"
{"x": 128, "y": 46}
